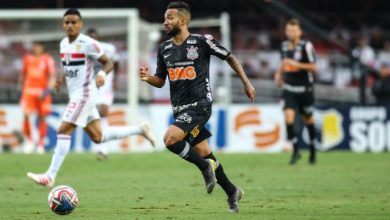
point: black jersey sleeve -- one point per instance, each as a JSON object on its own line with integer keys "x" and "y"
{"x": 310, "y": 52}
{"x": 161, "y": 69}
{"x": 215, "y": 48}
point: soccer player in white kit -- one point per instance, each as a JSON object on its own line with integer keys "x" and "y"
{"x": 106, "y": 92}
{"x": 79, "y": 54}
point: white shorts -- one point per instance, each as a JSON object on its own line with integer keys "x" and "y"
{"x": 81, "y": 112}
{"x": 106, "y": 92}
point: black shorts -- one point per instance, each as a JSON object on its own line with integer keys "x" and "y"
{"x": 302, "y": 102}
{"x": 192, "y": 121}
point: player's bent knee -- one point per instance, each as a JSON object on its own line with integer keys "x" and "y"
{"x": 309, "y": 120}
{"x": 170, "y": 140}
{"x": 289, "y": 116}
{"x": 97, "y": 139}
{"x": 203, "y": 152}
{"x": 171, "y": 137}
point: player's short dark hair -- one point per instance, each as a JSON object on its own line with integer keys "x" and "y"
{"x": 179, "y": 5}
{"x": 294, "y": 22}
{"x": 72, "y": 11}
{"x": 182, "y": 7}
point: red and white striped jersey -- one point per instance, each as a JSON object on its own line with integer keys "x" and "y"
{"x": 78, "y": 59}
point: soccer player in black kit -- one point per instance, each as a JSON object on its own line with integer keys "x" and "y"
{"x": 185, "y": 60}
{"x": 295, "y": 76}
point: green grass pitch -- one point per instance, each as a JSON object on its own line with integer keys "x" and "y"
{"x": 342, "y": 185}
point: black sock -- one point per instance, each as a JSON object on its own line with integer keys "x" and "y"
{"x": 185, "y": 151}
{"x": 292, "y": 137}
{"x": 312, "y": 136}
{"x": 222, "y": 179}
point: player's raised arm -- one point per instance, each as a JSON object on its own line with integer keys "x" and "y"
{"x": 214, "y": 48}
{"x": 152, "y": 80}
{"x": 237, "y": 67}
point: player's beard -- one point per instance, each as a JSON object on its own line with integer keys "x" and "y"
{"x": 175, "y": 31}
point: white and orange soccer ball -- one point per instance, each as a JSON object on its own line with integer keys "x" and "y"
{"x": 63, "y": 200}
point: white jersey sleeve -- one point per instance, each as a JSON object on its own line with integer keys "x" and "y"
{"x": 110, "y": 51}
{"x": 94, "y": 49}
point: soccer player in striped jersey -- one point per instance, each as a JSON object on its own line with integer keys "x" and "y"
{"x": 78, "y": 54}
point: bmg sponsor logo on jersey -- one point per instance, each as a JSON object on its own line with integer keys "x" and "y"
{"x": 182, "y": 73}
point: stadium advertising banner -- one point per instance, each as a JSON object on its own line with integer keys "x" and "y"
{"x": 358, "y": 128}
{"x": 252, "y": 128}
{"x": 236, "y": 128}
{"x": 239, "y": 128}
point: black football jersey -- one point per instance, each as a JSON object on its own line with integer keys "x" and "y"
{"x": 187, "y": 68}
{"x": 303, "y": 53}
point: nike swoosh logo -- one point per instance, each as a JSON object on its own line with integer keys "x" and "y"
{"x": 166, "y": 56}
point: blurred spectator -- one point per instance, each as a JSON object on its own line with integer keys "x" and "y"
{"x": 381, "y": 87}
{"x": 363, "y": 61}
{"x": 340, "y": 35}
{"x": 384, "y": 55}
{"x": 376, "y": 38}
{"x": 363, "y": 52}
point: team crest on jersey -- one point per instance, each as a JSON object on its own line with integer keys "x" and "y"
{"x": 297, "y": 55}
{"x": 78, "y": 47}
{"x": 192, "y": 53}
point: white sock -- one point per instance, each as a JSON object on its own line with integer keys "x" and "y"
{"x": 118, "y": 132}
{"x": 60, "y": 152}
{"x": 103, "y": 147}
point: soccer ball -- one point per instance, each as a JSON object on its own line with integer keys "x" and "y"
{"x": 63, "y": 200}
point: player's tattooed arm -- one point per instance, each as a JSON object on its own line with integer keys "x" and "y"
{"x": 152, "y": 80}
{"x": 237, "y": 67}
